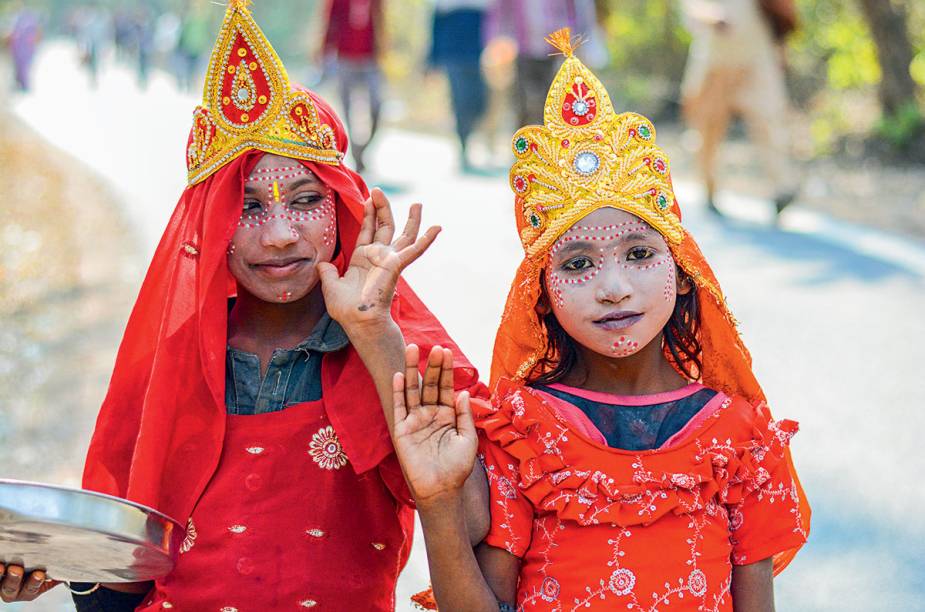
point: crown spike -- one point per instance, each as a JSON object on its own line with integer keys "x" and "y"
{"x": 240, "y": 5}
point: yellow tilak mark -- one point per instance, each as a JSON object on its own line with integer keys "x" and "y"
{"x": 275, "y": 191}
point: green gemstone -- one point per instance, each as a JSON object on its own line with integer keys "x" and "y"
{"x": 662, "y": 201}
{"x": 645, "y": 132}
{"x": 535, "y": 220}
{"x": 521, "y": 144}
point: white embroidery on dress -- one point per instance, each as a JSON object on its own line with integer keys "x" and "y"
{"x": 326, "y": 450}
{"x": 237, "y": 529}
{"x": 190, "y": 538}
{"x": 255, "y": 450}
{"x": 308, "y": 603}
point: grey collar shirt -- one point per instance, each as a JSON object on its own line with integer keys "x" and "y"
{"x": 293, "y": 375}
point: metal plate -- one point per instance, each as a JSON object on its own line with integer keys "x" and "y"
{"x": 82, "y": 536}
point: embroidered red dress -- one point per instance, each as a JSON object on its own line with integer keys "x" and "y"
{"x": 637, "y": 530}
{"x": 290, "y": 524}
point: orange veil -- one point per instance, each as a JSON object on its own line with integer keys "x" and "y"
{"x": 585, "y": 157}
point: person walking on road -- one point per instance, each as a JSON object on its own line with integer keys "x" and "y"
{"x": 352, "y": 43}
{"x": 735, "y": 67}
{"x": 456, "y": 47}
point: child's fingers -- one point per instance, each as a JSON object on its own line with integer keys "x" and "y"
{"x": 399, "y": 410}
{"x": 430, "y": 387}
{"x": 369, "y": 223}
{"x": 412, "y": 227}
{"x": 410, "y": 253}
{"x": 465, "y": 424}
{"x": 412, "y": 377}
{"x": 446, "y": 379}
{"x": 385, "y": 222}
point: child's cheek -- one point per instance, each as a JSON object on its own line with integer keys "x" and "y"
{"x": 320, "y": 222}
{"x": 670, "y": 290}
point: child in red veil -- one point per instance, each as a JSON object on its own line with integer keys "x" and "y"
{"x": 632, "y": 461}
{"x": 247, "y": 396}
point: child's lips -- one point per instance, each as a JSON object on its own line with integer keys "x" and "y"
{"x": 618, "y": 321}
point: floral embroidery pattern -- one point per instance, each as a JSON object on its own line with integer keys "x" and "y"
{"x": 326, "y": 450}
{"x": 190, "y": 538}
{"x": 551, "y": 493}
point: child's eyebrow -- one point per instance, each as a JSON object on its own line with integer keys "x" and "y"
{"x": 578, "y": 243}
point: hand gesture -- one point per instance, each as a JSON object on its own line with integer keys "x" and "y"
{"x": 17, "y": 586}
{"x": 364, "y": 293}
{"x": 434, "y": 435}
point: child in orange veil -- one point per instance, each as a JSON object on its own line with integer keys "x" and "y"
{"x": 632, "y": 460}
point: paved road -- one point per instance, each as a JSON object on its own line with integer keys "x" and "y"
{"x": 831, "y": 312}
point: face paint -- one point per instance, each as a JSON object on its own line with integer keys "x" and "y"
{"x": 288, "y": 224}
{"x": 610, "y": 282}
{"x": 624, "y": 347}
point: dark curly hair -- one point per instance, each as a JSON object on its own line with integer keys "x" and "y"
{"x": 680, "y": 339}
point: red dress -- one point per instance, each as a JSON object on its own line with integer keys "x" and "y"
{"x": 287, "y": 524}
{"x": 647, "y": 530}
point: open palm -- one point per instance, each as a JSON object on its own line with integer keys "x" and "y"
{"x": 434, "y": 435}
{"x": 364, "y": 292}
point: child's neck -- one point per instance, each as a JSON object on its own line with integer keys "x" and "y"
{"x": 259, "y": 327}
{"x": 646, "y": 372}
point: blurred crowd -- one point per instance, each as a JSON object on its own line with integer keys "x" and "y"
{"x": 492, "y": 53}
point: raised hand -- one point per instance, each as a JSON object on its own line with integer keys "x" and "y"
{"x": 364, "y": 293}
{"x": 434, "y": 434}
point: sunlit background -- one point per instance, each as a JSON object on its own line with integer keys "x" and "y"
{"x": 830, "y": 295}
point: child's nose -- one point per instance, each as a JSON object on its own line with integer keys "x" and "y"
{"x": 277, "y": 230}
{"x": 613, "y": 284}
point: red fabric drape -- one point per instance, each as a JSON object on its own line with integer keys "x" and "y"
{"x": 159, "y": 432}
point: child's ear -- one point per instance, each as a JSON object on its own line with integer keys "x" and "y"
{"x": 685, "y": 283}
{"x": 542, "y": 307}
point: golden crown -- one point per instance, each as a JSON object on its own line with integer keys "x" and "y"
{"x": 248, "y": 103}
{"x": 585, "y": 157}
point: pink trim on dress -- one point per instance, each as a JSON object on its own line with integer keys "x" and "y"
{"x": 574, "y": 416}
{"x": 708, "y": 410}
{"x": 630, "y": 400}
{"x": 583, "y": 425}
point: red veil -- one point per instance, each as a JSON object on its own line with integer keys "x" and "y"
{"x": 159, "y": 433}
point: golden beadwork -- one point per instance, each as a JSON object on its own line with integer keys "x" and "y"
{"x": 248, "y": 103}
{"x": 585, "y": 156}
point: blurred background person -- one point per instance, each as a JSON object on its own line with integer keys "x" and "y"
{"x": 736, "y": 67}
{"x": 456, "y": 47}
{"x": 528, "y": 22}
{"x": 352, "y": 41}
{"x": 23, "y": 39}
{"x": 92, "y": 30}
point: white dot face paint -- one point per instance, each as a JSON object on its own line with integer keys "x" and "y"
{"x": 611, "y": 282}
{"x": 288, "y": 224}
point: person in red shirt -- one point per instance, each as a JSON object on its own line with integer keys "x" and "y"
{"x": 352, "y": 42}
{"x": 633, "y": 463}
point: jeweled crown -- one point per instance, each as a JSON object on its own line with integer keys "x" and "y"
{"x": 248, "y": 103}
{"x": 586, "y": 156}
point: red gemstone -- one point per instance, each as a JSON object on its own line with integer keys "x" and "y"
{"x": 565, "y": 143}
{"x": 531, "y": 177}
{"x": 598, "y": 137}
